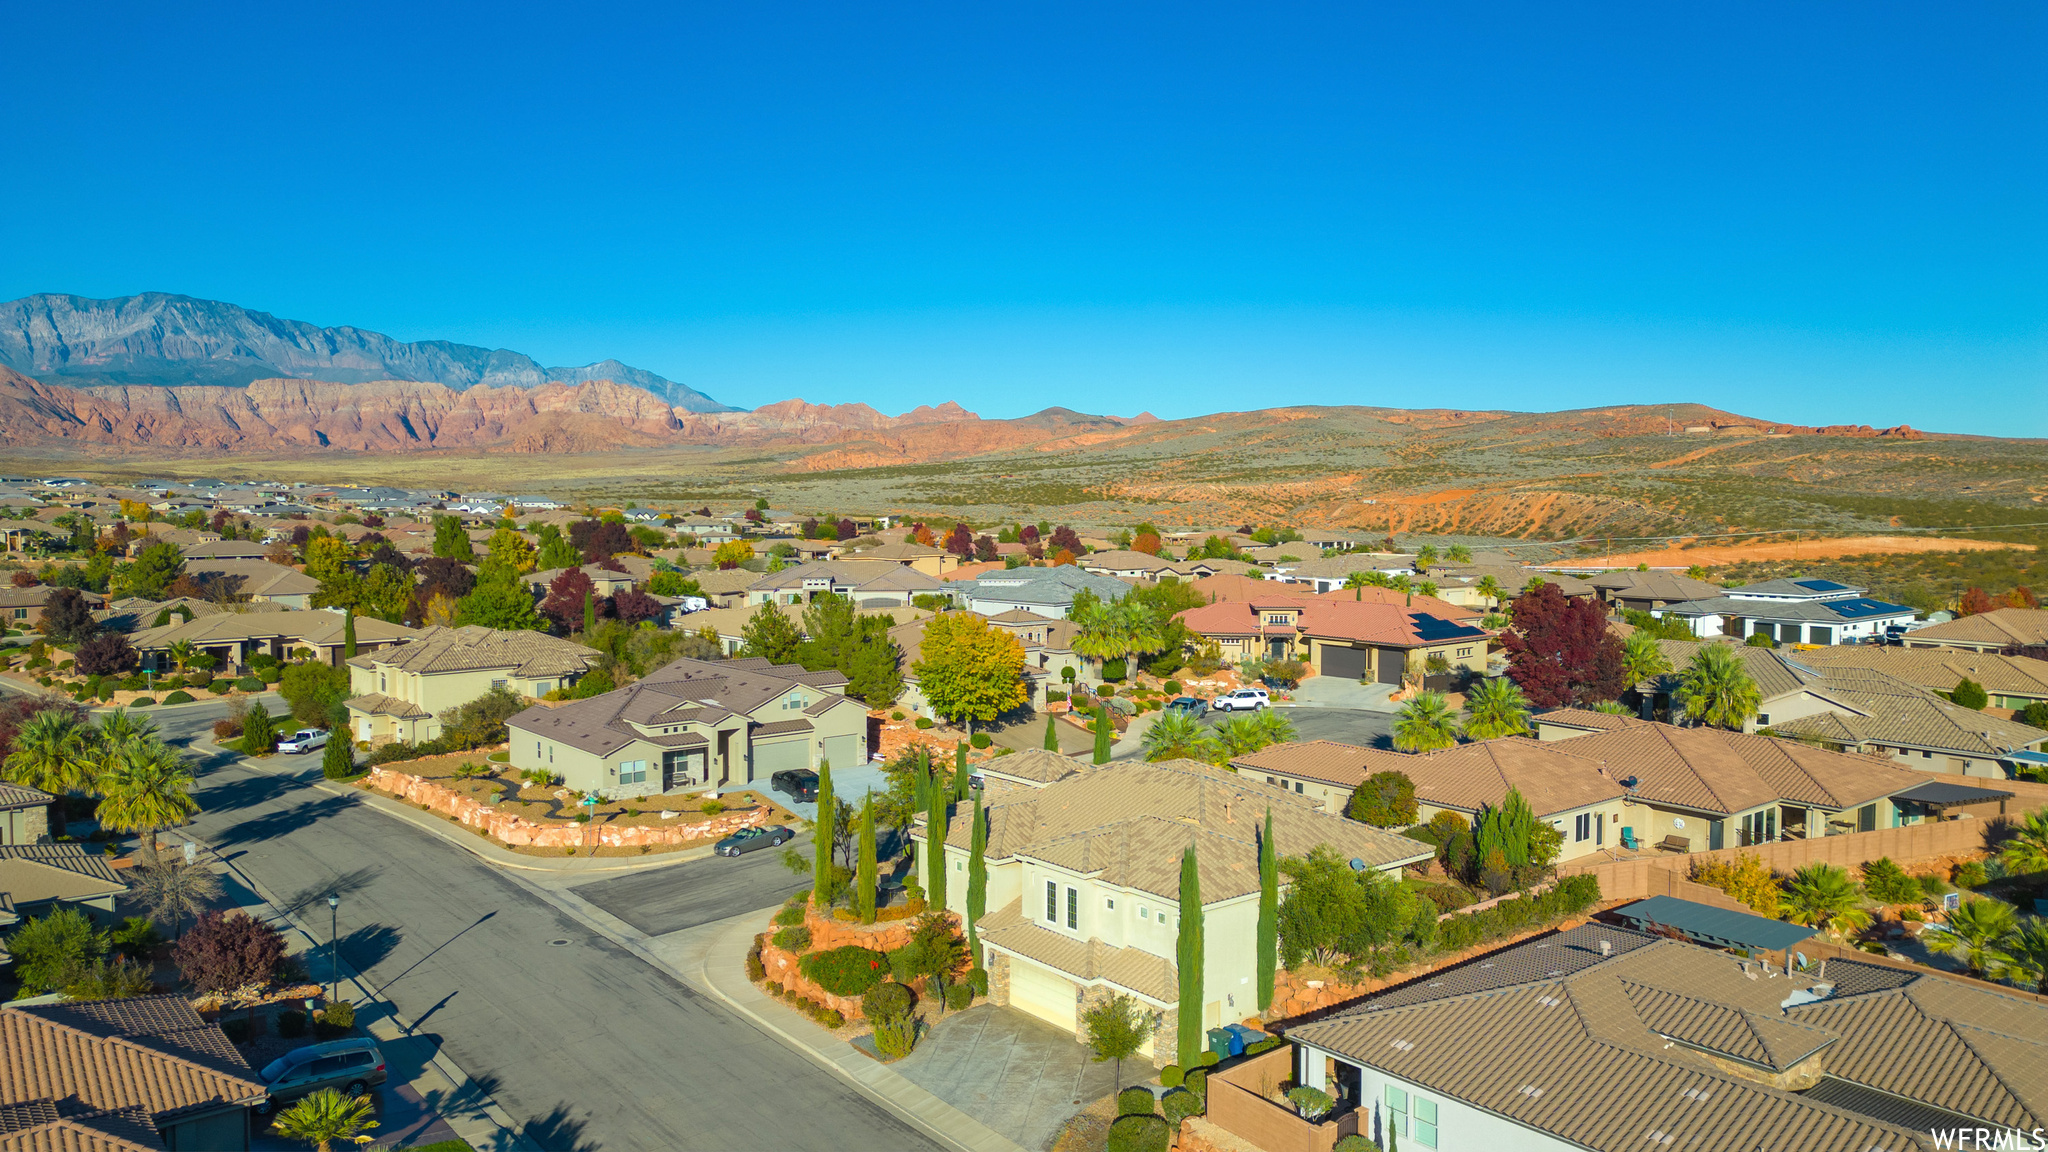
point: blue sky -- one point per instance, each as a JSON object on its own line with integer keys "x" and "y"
{"x": 1814, "y": 213}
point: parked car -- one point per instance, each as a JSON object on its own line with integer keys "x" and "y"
{"x": 1241, "y": 700}
{"x": 799, "y": 783}
{"x": 1192, "y": 705}
{"x": 304, "y": 740}
{"x": 748, "y": 839}
{"x": 354, "y": 1065}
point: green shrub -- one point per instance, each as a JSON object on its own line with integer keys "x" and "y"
{"x": 1970, "y": 874}
{"x": 291, "y": 1023}
{"x": 1114, "y": 669}
{"x": 2035, "y": 714}
{"x": 1932, "y": 886}
{"x": 1139, "y": 1134}
{"x": 142, "y": 702}
{"x": 847, "y": 971}
{"x": 1969, "y": 694}
{"x": 1209, "y": 1060}
{"x": 179, "y": 697}
{"x": 1170, "y": 1076}
{"x": 1312, "y": 1103}
{"x": 133, "y": 684}
{"x": 895, "y": 1036}
{"x": 829, "y": 1017}
{"x": 980, "y": 740}
{"x": 1136, "y": 1102}
{"x": 220, "y": 687}
{"x": 756, "y": 971}
{"x": 1180, "y": 1104}
{"x": 1106, "y": 690}
{"x": 236, "y": 1029}
{"x": 1354, "y": 1143}
{"x": 338, "y": 1019}
{"x": 791, "y": 914}
{"x": 1171, "y": 687}
{"x": 895, "y": 715}
{"x": 1567, "y": 897}
{"x": 250, "y": 684}
{"x": 106, "y": 691}
{"x": 959, "y": 996}
{"x": 1266, "y": 1045}
{"x": 924, "y": 722}
{"x": 1888, "y": 883}
{"x": 888, "y": 1000}
{"x": 977, "y": 979}
{"x": 794, "y": 939}
{"x": 1197, "y": 1081}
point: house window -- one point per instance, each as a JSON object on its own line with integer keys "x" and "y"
{"x": 1110, "y": 903}
{"x": 1425, "y": 1122}
{"x": 1582, "y": 826}
{"x": 1464, "y": 652}
{"x": 1399, "y": 1109}
{"x": 1162, "y": 917}
{"x": 383, "y": 683}
{"x": 1276, "y": 618}
{"x": 1074, "y": 908}
{"x": 1763, "y": 719}
{"x": 1297, "y": 785}
{"x": 632, "y": 771}
{"x": 1052, "y": 902}
{"x": 1144, "y": 913}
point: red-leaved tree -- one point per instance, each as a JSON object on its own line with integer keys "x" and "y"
{"x": 846, "y": 529}
{"x": 1975, "y": 600}
{"x": 1028, "y": 534}
{"x": 564, "y": 602}
{"x": 984, "y": 547}
{"x": 228, "y": 950}
{"x": 2021, "y": 597}
{"x": 960, "y": 542}
{"x": 632, "y": 606}
{"x": 1560, "y": 652}
{"x": 1067, "y": 538}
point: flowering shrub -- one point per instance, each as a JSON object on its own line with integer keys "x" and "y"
{"x": 847, "y": 971}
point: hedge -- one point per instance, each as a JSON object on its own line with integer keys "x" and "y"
{"x": 1180, "y": 1104}
{"x": 1567, "y": 897}
{"x": 142, "y": 702}
{"x": 250, "y": 683}
{"x": 1140, "y": 1134}
{"x": 1136, "y": 1102}
{"x": 179, "y": 697}
{"x": 847, "y": 971}
{"x": 887, "y": 1000}
{"x": 1170, "y": 1076}
{"x": 1197, "y": 1081}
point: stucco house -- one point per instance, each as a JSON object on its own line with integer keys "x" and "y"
{"x": 1354, "y": 639}
{"x": 261, "y": 581}
{"x": 1042, "y": 591}
{"x": 1649, "y": 591}
{"x": 1992, "y": 631}
{"x": 695, "y": 724}
{"x": 862, "y": 581}
{"x": 233, "y": 637}
{"x": 402, "y": 693}
{"x": 2010, "y": 681}
{"x": 1084, "y": 884}
{"x": 1791, "y": 612}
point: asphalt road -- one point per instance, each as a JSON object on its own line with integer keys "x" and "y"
{"x": 1358, "y": 726}
{"x": 585, "y": 1044}
{"x": 685, "y": 895}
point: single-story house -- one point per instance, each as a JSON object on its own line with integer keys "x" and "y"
{"x": 2010, "y": 681}
{"x": 233, "y": 637}
{"x": 34, "y": 876}
{"x": 1791, "y": 612}
{"x": 1044, "y": 591}
{"x": 1649, "y": 591}
{"x": 930, "y": 561}
{"x": 262, "y": 581}
{"x": 1992, "y": 631}
{"x": 859, "y": 580}
{"x": 24, "y": 814}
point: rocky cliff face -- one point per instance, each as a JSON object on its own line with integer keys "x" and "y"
{"x": 160, "y": 339}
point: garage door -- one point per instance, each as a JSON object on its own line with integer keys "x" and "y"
{"x": 846, "y": 751}
{"x": 1037, "y": 992}
{"x": 1390, "y": 662}
{"x": 771, "y": 757}
{"x": 1348, "y": 663}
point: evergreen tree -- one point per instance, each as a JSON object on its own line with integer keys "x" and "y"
{"x": 960, "y": 777}
{"x": 1052, "y": 734}
{"x": 864, "y": 866}
{"x": 1103, "y": 728}
{"x": 499, "y": 600}
{"x": 935, "y": 849}
{"x": 977, "y": 880}
{"x": 821, "y": 839}
{"x": 1188, "y": 960}
{"x": 339, "y": 761}
{"x": 1268, "y": 941}
{"x": 589, "y": 611}
{"x": 259, "y": 736}
{"x": 348, "y": 633}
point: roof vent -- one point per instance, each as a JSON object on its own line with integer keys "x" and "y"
{"x": 1659, "y": 1136}
{"x": 1549, "y": 1001}
{"x": 1697, "y": 1095}
{"x": 1607, "y": 947}
{"x": 1530, "y": 1090}
{"x": 1746, "y": 971}
{"x": 1403, "y": 1045}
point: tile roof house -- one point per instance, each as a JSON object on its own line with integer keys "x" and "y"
{"x": 1044, "y": 591}
{"x": 235, "y": 636}
{"x": 1649, "y": 591}
{"x": 1354, "y": 639}
{"x": 1084, "y": 882}
{"x": 143, "y": 1072}
{"x": 2010, "y": 681}
{"x": 1986, "y": 631}
{"x": 1606, "y": 1039}
{"x": 862, "y": 581}
{"x": 930, "y": 561}
{"x": 224, "y": 550}
{"x": 34, "y": 875}
{"x": 406, "y": 692}
{"x": 19, "y": 607}
{"x": 695, "y": 724}
{"x": 261, "y": 580}
{"x": 1791, "y": 612}
{"x": 24, "y": 814}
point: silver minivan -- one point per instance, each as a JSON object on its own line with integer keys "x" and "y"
{"x": 354, "y": 1066}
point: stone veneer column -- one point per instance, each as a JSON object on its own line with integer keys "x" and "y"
{"x": 999, "y": 979}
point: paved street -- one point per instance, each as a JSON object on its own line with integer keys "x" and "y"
{"x": 1345, "y": 725}
{"x": 683, "y": 896}
{"x": 583, "y": 1042}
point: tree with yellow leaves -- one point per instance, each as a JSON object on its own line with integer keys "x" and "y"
{"x": 508, "y": 546}
{"x": 1748, "y": 880}
{"x": 968, "y": 670}
{"x": 732, "y": 554}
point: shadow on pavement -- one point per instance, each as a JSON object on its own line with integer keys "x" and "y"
{"x": 343, "y": 884}
{"x": 247, "y": 792}
{"x": 368, "y": 946}
{"x": 283, "y": 821}
{"x": 559, "y": 1131}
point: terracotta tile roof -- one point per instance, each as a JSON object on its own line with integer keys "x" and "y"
{"x": 1624, "y": 1051}
{"x": 1774, "y": 670}
{"x": 2004, "y": 627}
{"x": 1715, "y": 771}
{"x": 1586, "y": 718}
{"x": 1091, "y": 960}
{"x": 1395, "y": 625}
{"x": 152, "y": 1052}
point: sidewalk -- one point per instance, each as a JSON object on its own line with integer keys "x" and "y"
{"x": 428, "y": 1096}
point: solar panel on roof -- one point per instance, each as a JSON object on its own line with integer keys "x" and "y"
{"x": 1859, "y": 607}
{"x": 1430, "y": 629}
{"x": 1820, "y": 585}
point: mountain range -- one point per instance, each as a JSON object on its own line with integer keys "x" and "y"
{"x": 160, "y": 339}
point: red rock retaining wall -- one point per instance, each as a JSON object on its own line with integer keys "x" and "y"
{"x": 518, "y": 830}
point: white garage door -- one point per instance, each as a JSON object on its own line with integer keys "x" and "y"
{"x": 1038, "y": 992}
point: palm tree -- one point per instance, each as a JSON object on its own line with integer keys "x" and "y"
{"x": 1716, "y": 689}
{"x": 1425, "y": 724}
{"x": 149, "y": 788}
{"x": 1178, "y": 736}
{"x": 1240, "y": 736}
{"x": 118, "y": 731}
{"x": 2025, "y": 852}
{"x": 172, "y": 890}
{"x": 1643, "y": 657}
{"x": 182, "y": 654}
{"x": 1496, "y": 707}
{"x": 1823, "y": 896}
{"x": 1273, "y": 727}
{"x": 1358, "y": 582}
{"x": 325, "y": 1117}
{"x": 50, "y": 753}
{"x": 1973, "y": 934}
{"x": 1427, "y": 588}
{"x": 2026, "y": 954}
{"x": 1118, "y": 631}
{"x": 1491, "y": 589}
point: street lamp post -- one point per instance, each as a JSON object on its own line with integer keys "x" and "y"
{"x": 333, "y": 946}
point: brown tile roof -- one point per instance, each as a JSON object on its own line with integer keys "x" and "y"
{"x": 1939, "y": 669}
{"x": 1654, "y": 586}
{"x": 22, "y": 796}
{"x": 2005, "y": 627}
{"x": 378, "y": 704}
{"x": 439, "y": 649}
{"x": 1150, "y": 976}
{"x": 40, "y": 1126}
{"x": 1586, "y": 718}
{"x": 1392, "y": 624}
{"x": 1715, "y": 771}
{"x": 1638, "y": 1049}
{"x": 1036, "y": 766}
{"x": 699, "y": 691}
{"x": 1776, "y": 672}
{"x": 1889, "y": 711}
{"x": 35, "y": 872}
{"x": 152, "y": 1052}
{"x": 259, "y": 577}
{"x": 1131, "y": 821}
{"x": 312, "y": 625}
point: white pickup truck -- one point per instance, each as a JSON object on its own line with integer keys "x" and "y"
{"x": 304, "y": 740}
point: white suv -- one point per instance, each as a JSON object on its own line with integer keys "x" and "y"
{"x": 1242, "y": 700}
{"x": 304, "y": 740}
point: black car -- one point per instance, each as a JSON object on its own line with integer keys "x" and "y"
{"x": 800, "y": 783}
{"x": 748, "y": 839}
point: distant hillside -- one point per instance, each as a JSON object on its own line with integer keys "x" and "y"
{"x": 159, "y": 339}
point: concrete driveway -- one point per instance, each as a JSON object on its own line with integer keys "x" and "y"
{"x": 1014, "y": 1073}
{"x": 1337, "y": 692}
{"x": 848, "y": 784}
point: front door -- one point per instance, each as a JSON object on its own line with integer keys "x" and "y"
{"x": 1349, "y": 1083}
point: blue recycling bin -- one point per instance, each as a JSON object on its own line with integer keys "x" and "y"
{"x": 1244, "y": 1038}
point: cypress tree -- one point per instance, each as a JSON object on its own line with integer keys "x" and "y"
{"x": 1268, "y": 942}
{"x": 589, "y": 612}
{"x": 821, "y": 839}
{"x": 348, "y": 633}
{"x": 339, "y": 761}
{"x": 920, "y": 782}
{"x": 977, "y": 880}
{"x": 1052, "y": 735}
{"x": 1103, "y": 729}
{"x": 960, "y": 778}
{"x": 1517, "y": 823}
{"x": 935, "y": 851}
{"x": 1188, "y": 959}
{"x": 864, "y": 877}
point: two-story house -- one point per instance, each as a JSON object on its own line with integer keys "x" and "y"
{"x": 1084, "y": 884}
{"x": 403, "y": 693}
{"x": 695, "y": 724}
{"x": 1355, "y": 639}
